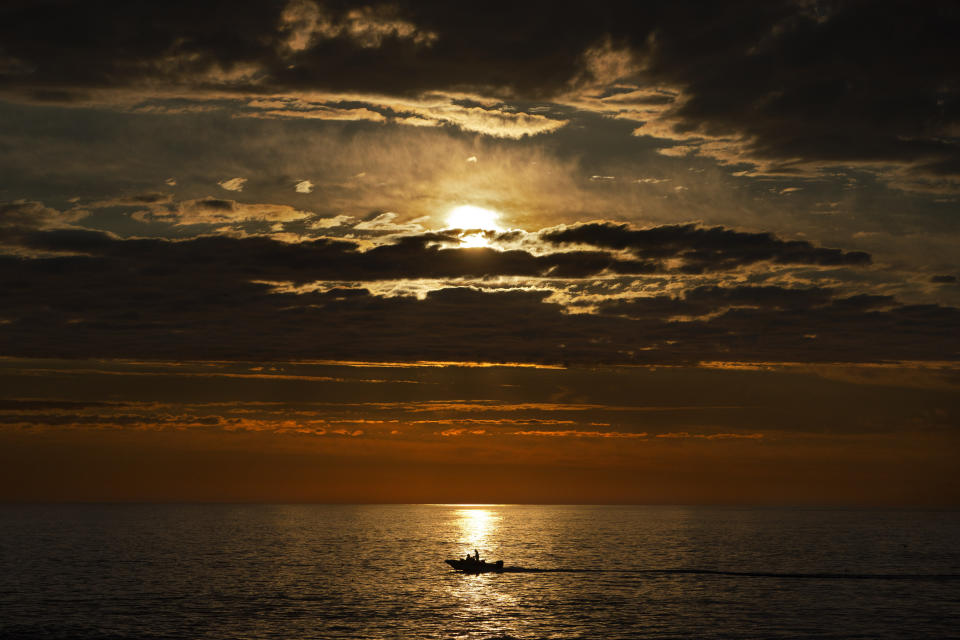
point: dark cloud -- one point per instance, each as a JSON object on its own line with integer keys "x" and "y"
{"x": 26, "y": 404}
{"x": 826, "y": 83}
{"x": 943, "y": 279}
{"x": 109, "y": 43}
{"x": 217, "y": 204}
{"x": 273, "y": 45}
{"x": 206, "y": 298}
{"x": 88, "y": 293}
{"x": 796, "y": 85}
{"x": 23, "y": 215}
{"x": 794, "y": 325}
{"x": 423, "y": 256}
{"x": 702, "y": 301}
{"x": 703, "y": 249}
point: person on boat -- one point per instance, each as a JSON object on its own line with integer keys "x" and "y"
{"x": 476, "y": 555}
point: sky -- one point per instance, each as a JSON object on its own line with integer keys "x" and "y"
{"x": 539, "y": 252}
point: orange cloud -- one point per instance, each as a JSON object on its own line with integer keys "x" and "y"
{"x": 581, "y": 434}
{"x": 462, "y": 431}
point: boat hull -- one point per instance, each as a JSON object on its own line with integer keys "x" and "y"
{"x": 473, "y": 566}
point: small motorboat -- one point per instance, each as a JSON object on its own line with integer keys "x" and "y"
{"x": 470, "y": 564}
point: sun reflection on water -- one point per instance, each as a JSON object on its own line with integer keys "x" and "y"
{"x": 477, "y": 526}
{"x": 481, "y": 596}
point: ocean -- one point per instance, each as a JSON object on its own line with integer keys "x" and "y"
{"x": 376, "y": 571}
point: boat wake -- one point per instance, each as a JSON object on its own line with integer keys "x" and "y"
{"x": 747, "y": 574}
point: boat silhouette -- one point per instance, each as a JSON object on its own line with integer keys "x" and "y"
{"x": 473, "y": 565}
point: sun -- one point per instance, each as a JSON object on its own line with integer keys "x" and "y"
{"x": 470, "y": 217}
{"x": 476, "y": 219}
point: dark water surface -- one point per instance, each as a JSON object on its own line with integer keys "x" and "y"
{"x": 312, "y": 571}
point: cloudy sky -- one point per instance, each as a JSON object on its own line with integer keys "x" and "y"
{"x": 324, "y": 251}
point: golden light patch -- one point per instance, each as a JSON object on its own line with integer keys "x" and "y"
{"x": 476, "y": 220}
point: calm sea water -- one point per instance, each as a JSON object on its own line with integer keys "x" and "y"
{"x": 310, "y": 571}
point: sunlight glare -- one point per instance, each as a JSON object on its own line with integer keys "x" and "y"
{"x": 476, "y": 525}
{"x": 469, "y": 217}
